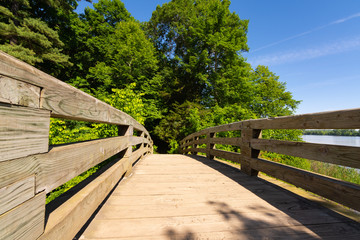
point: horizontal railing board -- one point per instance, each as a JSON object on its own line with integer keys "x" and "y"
{"x": 339, "y": 191}
{"x": 19, "y": 93}
{"x": 61, "y": 163}
{"x": 134, "y": 140}
{"x": 63, "y": 100}
{"x": 234, "y": 141}
{"x": 137, "y": 154}
{"x": 68, "y": 219}
{"x": 221, "y": 128}
{"x": 16, "y": 193}
{"x": 340, "y": 155}
{"x": 26, "y": 221}
{"x": 342, "y": 119}
{"x": 198, "y": 141}
{"x": 23, "y": 131}
{"x": 232, "y": 156}
{"x": 202, "y": 150}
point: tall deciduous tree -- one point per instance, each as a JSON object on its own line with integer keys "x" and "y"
{"x": 200, "y": 40}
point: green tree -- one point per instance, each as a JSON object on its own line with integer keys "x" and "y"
{"x": 270, "y": 98}
{"x": 197, "y": 40}
{"x": 26, "y": 35}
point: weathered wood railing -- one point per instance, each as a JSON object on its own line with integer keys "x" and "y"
{"x": 29, "y": 169}
{"x": 251, "y": 143}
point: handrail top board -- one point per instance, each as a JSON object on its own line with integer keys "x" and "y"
{"x": 340, "y": 119}
{"x": 63, "y": 100}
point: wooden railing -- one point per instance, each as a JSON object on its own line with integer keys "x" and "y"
{"x": 251, "y": 143}
{"x": 29, "y": 169}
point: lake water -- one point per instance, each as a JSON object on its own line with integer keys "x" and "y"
{"x": 335, "y": 140}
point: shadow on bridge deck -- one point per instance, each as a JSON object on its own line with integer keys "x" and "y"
{"x": 192, "y": 197}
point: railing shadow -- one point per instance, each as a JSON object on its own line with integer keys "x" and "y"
{"x": 245, "y": 227}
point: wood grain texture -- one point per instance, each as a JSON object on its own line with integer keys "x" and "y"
{"x": 67, "y": 220}
{"x": 182, "y": 197}
{"x": 339, "y": 191}
{"x": 63, "y": 100}
{"x": 23, "y": 131}
{"x": 232, "y": 156}
{"x": 19, "y": 93}
{"x": 234, "y": 141}
{"x": 16, "y": 193}
{"x": 221, "y": 128}
{"x": 340, "y": 155}
{"x": 26, "y": 221}
{"x": 343, "y": 119}
{"x": 61, "y": 163}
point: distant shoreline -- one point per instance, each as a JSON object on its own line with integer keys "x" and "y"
{"x": 334, "y": 132}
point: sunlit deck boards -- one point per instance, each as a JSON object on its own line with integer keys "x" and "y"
{"x": 180, "y": 197}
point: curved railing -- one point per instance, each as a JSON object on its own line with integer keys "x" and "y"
{"x": 29, "y": 169}
{"x": 251, "y": 144}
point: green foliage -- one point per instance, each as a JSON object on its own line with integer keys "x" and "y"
{"x": 178, "y": 73}
{"x": 65, "y": 131}
{"x": 283, "y": 134}
{"x": 25, "y": 35}
{"x": 270, "y": 98}
{"x": 62, "y": 131}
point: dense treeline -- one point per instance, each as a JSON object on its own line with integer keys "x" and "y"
{"x": 333, "y": 132}
{"x": 184, "y": 66}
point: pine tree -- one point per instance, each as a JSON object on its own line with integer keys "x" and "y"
{"x": 24, "y": 35}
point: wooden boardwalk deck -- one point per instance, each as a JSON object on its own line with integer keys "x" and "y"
{"x": 183, "y": 197}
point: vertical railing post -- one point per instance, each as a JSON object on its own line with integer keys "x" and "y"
{"x": 142, "y": 146}
{"x": 186, "y": 151}
{"x": 194, "y": 145}
{"x": 210, "y": 145}
{"x": 124, "y": 130}
{"x": 247, "y": 134}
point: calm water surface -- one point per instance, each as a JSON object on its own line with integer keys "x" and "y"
{"x": 336, "y": 140}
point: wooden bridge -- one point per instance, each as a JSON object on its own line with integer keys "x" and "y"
{"x": 141, "y": 195}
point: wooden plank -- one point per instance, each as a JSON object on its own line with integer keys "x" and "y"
{"x": 234, "y": 141}
{"x": 134, "y": 140}
{"x": 23, "y": 131}
{"x": 142, "y": 207}
{"x": 202, "y": 150}
{"x": 221, "y": 128}
{"x": 19, "y": 93}
{"x": 343, "y": 119}
{"x": 339, "y": 191}
{"x": 63, "y": 100}
{"x": 197, "y": 141}
{"x": 67, "y": 220}
{"x": 16, "y": 193}
{"x": 246, "y": 150}
{"x": 61, "y": 163}
{"x": 137, "y": 154}
{"x": 340, "y": 155}
{"x": 26, "y": 221}
{"x": 232, "y": 156}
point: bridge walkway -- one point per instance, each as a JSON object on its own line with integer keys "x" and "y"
{"x": 192, "y": 197}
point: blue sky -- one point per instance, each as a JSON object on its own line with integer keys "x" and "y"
{"x": 313, "y": 45}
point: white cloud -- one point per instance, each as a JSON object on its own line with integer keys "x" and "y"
{"x": 310, "y": 53}
{"x": 342, "y": 20}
